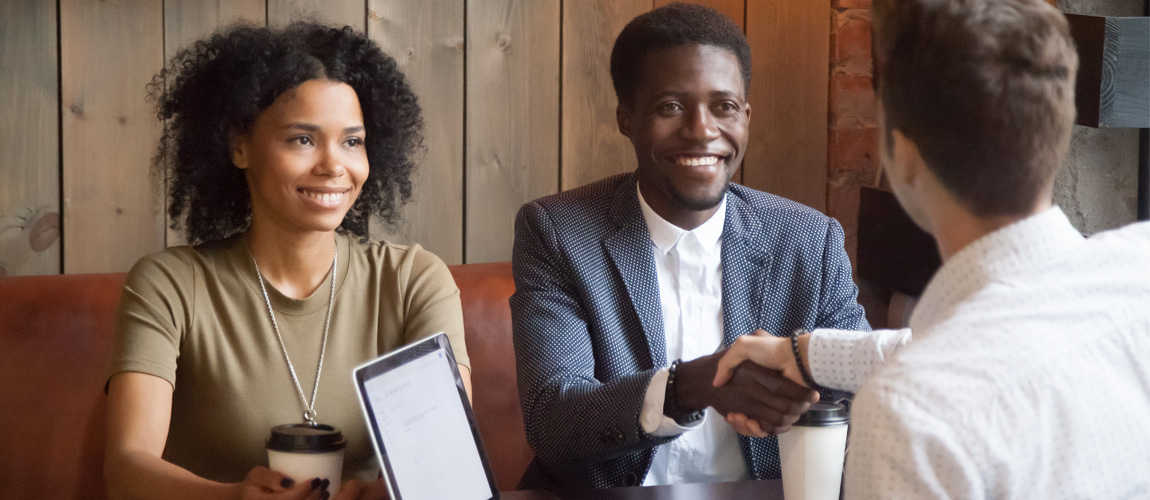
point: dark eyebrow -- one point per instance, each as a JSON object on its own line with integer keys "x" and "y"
{"x": 308, "y": 127}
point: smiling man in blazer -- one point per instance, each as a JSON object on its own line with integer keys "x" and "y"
{"x": 627, "y": 287}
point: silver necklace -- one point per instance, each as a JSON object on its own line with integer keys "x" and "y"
{"x": 309, "y": 408}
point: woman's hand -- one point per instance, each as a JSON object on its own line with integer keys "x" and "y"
{"x": 762, "y": 349}
{"x": 359, "y": 490}
{"x": 262, "y": 483}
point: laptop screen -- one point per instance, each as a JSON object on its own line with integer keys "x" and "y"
{"x": 424, "y": 430}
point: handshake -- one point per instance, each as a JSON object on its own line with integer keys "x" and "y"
{"x": 755, "y": 384}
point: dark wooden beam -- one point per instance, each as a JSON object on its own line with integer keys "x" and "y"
{"x": 1113, "y": 87}
{"x": 892, "y": 251}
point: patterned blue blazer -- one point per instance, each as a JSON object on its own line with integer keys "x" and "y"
{"x": 588, "y": 324}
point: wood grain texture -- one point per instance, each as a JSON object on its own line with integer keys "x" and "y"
{"x": 592, "y": 147}
{"x": 426, "y": 39}
{"x": 512, "y": 117}
{"x": 29, "y": 139}
{"x": 334, "y": 12}
{"x": 790, "y": 45}
{"x": 109, "y": 52}
{"x": 186, "y": 21}
{"x": 734, "y": 9}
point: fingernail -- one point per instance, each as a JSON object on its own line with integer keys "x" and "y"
{"x": 315, "y": 483}
{"x": 325, "y": 496}
{"x": 287, "y": 482}
{"x": 326, "y": 483}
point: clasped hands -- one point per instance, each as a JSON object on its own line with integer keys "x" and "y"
{"x": 755, "y": 384}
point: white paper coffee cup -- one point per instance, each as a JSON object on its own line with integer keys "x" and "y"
{"x": 304, "y": 452}
{"x": 812, "y": 453}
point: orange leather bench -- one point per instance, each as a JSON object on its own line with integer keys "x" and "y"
{"x": 56, "y": 345}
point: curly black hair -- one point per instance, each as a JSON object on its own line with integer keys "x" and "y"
{"x": 215, "y": 88}
{"x": 672, "y": 26}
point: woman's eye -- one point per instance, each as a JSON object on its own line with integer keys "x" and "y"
{"x": 355, "y": 142}
{"x": 302, "y": 140}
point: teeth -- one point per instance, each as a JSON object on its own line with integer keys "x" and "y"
{"x": 324, "y": 197}
{"x": 698, "y": 162}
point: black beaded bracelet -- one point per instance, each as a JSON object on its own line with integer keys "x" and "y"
{"x": 671, "y": 405}
{"x": 807, "y": 378}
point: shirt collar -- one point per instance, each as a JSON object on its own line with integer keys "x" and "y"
{"x": 665, "y": 234}
{"x": 1007, "y": 251}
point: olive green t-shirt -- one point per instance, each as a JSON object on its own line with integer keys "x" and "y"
{"x": 196, "y": 318}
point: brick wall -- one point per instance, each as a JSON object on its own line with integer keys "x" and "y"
{"x": 853, "y": 156}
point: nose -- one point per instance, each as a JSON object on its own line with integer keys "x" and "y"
{"x": 330, "y": 162}
{"x": 701, "y": 125}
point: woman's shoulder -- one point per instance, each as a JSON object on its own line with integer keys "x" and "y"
{"x": 385, "y": 256}
{"x": 180, "y": 264}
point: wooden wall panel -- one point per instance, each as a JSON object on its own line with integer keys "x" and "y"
{"x": 109, "y": 52}
{"x": 790, "y": 45}
{"x": 426, "y": 39}
{"x": 29, "y": 139}
{"x": 734, "y": 9}
{"x": 186, "y": 21}
{"x": 512, "y": 117}
{"x": 592, "y": 147}
{"x": 335, "y": 12}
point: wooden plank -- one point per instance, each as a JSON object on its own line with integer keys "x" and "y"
{"x": 592, "y": 147}
{"x": 29, "y": 140}
{"x": 109, "y": 52}
{"x": 734, "y": 9}
{"x": 334, "y": 12}
{"x": 1113, "y": 86}
{"x": 186, "y": 21}
{"x": 790, "y": 44}
{"x": 426, "y": 39}
{"x": 512, "y": 117}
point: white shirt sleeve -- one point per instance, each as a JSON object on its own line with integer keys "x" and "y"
{"x": 651, "y": 417}
{"x": 844, "y": 359}
{"x": 900, "y": 450}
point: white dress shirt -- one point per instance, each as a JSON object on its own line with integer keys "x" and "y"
{"x": 690, "y": 276}
{"x": 1028, "y": 376}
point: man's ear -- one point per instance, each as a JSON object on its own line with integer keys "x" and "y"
{"x": 623, "y": 118}
{"x": 240, "y": 149}
{"x": 906, "y": 158}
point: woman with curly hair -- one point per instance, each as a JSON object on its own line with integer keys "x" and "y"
{"x": 278, "y": 146}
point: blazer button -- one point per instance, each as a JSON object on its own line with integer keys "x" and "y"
{"x": 619, "y": 437}
{"x": 630, "y": 479}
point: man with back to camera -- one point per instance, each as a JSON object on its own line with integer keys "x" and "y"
{"x": 1028, "y": 374}
{"x": 626, "y": 287}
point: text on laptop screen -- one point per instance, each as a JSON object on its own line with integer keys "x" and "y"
{"x": 425, "y": 431}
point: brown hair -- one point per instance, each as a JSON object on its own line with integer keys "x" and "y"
{"x": 984, "y": 88}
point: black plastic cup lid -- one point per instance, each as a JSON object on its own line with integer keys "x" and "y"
{"x": 825, "y": 415}
{"x": 305, "y": 438}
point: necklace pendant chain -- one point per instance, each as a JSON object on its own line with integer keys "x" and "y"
{"x": 309, "y": 408}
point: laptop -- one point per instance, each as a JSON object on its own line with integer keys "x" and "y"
{"x": 422, "y": 426}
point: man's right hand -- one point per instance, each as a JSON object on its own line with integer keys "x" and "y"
{"x": 759, "y": 393}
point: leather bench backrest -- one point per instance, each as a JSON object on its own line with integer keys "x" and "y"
{"x": 55, "y": 347}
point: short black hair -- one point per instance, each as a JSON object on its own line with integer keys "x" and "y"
{"x": 215, "y": 89}
{"x": 670, "y": 26}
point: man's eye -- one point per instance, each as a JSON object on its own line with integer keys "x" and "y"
{"x": 728, "y": 106}
{"x": 670, "y": 106}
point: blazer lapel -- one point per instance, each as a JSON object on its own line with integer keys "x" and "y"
{"x": 629, "y": 248}
{"x": 746, "y": 265}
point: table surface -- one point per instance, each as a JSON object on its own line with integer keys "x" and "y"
{"x": 742, "y": 490}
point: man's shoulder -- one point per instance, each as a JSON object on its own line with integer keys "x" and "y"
{"x": 776, "y": 210}
{"x": 585, "y": 207}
